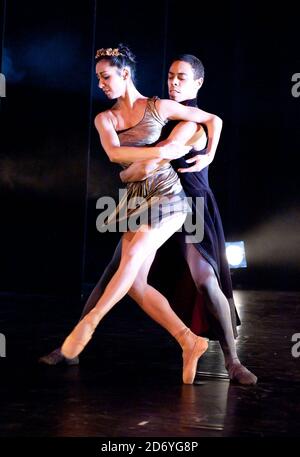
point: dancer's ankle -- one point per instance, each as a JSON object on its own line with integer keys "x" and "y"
{"x": 231, "y": 360}
{"x": 185, "y": 337}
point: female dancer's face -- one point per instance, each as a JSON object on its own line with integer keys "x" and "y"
{"x": 111, "y": 79}
{"x": 181, "y": 83}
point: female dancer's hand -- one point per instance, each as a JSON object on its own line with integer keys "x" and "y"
{"x": 137, "y": 171}
{"x": 173, "y": 150}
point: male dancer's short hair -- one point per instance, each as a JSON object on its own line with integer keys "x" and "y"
{"x": 196, "y": 64}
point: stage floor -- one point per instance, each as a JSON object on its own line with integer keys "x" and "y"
{"x": 128, "y": 383}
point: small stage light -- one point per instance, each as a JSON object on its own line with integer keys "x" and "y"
{"x": 235, "y": 253}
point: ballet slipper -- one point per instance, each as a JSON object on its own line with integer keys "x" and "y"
{"x": 80, "y": 336}
{"x": 239, "y": 374}
{"x": 55, "y": 357}
{"x": 191, "y": 355}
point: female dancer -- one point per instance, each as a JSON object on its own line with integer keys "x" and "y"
{"x": 126, "y": 131}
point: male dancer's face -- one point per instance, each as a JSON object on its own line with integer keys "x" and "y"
{"x": 181, "y": 83}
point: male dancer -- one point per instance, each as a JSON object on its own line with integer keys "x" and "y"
{"x": 206, "y": 259}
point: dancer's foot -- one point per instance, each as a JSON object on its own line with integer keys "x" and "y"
{"x": 80, "y": 336}
{"x": 193, "y": 347}
{"x": 55, "y": 357}
{"x": 239, "y": 374}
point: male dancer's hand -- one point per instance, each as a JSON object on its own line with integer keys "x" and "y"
{"x": 200, "y": 161}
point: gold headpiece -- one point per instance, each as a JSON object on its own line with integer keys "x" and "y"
{"x": 108, "y": 52}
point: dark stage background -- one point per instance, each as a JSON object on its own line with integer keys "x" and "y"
{"x": 52, "y": 169}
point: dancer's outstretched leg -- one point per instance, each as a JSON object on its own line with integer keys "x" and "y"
{"x": 144, "y": 242}
{"x": 140, "y": 246}
{"x": 205, "y": 280}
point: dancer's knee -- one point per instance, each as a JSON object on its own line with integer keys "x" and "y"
{"x": 136, "y": 292}
{"x": 130, "y": 261}
{"x": 207, "y": 282}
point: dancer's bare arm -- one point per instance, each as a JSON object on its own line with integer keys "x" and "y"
{"x": 168, "y": 109}
{"x": 127, "y": 154}
{"x": 183, "y": 133}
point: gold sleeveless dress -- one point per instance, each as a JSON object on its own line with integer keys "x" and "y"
{"x": 157, "y": 197}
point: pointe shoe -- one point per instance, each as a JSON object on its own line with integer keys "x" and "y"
{"x": 55, "y": 358}
{"x": 239, "y": 374}
{"x": 190, "y": 359}
{"x": 79, "y": 337}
